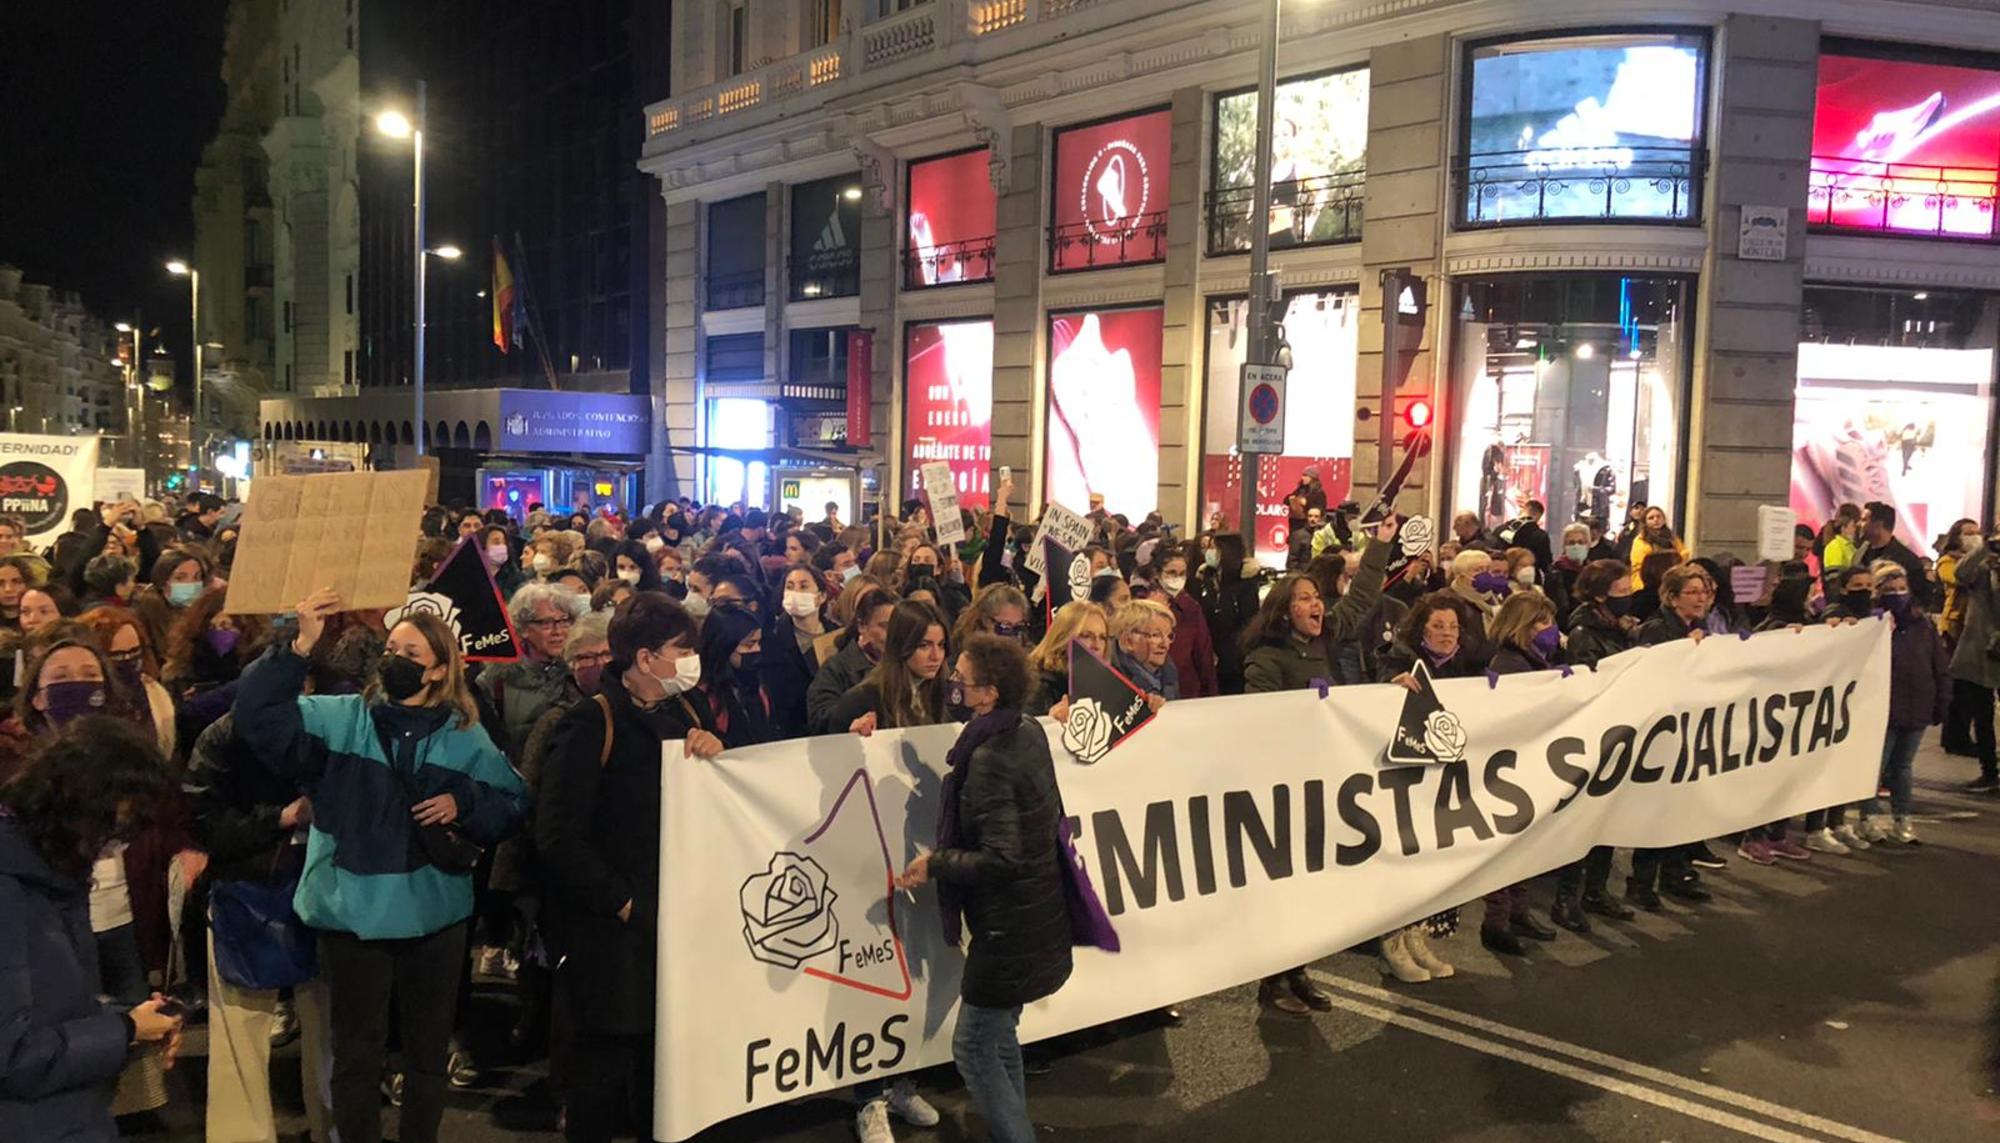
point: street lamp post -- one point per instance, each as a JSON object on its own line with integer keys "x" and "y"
{"x": 1259, "y": 349}
{"x": 198, "y": 434}
{"x": 135, "y": 397}
{"x": 398, "y": 126}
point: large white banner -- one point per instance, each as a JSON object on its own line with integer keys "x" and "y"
{"x": 45, "y": 478}
{"x": 1230, "y": 838}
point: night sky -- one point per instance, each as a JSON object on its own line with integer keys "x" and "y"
{"x": 104, "y": 109}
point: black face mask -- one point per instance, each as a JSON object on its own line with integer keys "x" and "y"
{"x": 1619, "y": 605}
{"x": 401, "y": 678}
{"x": 1858, "y": 602}
{"x": 746, "y": 668}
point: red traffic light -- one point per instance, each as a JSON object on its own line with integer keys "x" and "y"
{"x": 1417, "y": 414}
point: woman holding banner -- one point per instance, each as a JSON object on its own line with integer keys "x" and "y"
{"x": 1686, "y": 592}
{"x": 1078, "y": 621}
{"x": 406, "y": 787}
{"x": 997, "y": 865}
{"x": 1287, "y": 645}
{"x": 1524, "y": 631}
{"x": 1601, "y": 626}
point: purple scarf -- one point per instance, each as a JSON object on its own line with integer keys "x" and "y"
{"x": 1089, "y": 923}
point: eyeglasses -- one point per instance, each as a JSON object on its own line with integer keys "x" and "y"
{"x": 591, "y": 659}
{"x": 1156, "y": 636}
{"x": 557, "y": 623}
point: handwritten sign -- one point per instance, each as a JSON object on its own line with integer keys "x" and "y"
{"x": 354, "y": 532}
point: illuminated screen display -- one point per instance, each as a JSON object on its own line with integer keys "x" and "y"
{"x": 1323, "y": 331}
{"x": 1319, "y": 151}
{"x": 1104, "y": 409}
{"x": 1551, "y": 119}
{"x": 1905, "y": 146}
{"x": 948, "y": 413}
{"x": 1110, "y": 196}
{"x": 1902, "y": 425}
{"x": 949, "y": 227}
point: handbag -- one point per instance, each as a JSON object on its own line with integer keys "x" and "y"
{"x": 260, "y": 942}
{"x": 445, "y": 848}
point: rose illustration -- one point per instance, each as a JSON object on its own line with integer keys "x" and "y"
{"x": 1444, "y": 737}
{"x": 1079, "y": 577}
{"x": 788, "y": 912}
{"x": 1416, "y": 536}
{"x": 421, "y": 602}
{"x": 1087, "y": 734}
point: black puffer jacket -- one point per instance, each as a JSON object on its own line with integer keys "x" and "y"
{"x": 235, "y": 802}
{"x": 1006, "y": 873}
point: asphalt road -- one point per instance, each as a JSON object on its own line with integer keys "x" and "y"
{"x": 1836, "y": 999}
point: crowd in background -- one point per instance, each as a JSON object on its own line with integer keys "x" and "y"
{"x": 172, "y": 775}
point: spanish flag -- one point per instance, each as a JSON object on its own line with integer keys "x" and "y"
{"x": 506, "y": 334}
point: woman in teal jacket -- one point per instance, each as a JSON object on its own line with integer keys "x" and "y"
{"x": 404, "y": 785}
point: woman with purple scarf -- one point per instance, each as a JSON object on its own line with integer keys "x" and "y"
{"x": 999, "y": 873}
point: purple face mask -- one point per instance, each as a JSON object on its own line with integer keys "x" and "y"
{"x": 70, "y": 700}
{"x": 221, "y": 640}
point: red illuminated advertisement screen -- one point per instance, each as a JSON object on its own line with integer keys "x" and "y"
{"x": 1104, "y": 409}
{"x": 949, "y": 412}
{"x": 1110, "y": 197}
{"x": 1905, "y": 146}
{"x": 949, "y": 228}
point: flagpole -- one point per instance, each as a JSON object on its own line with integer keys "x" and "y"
{"x": 528, "y": 312}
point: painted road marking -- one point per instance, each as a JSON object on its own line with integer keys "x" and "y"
{"x": 1372, "y": 1000}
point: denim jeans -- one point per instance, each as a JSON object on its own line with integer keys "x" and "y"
{"x": 1899, "y": 751}
{"x": 988, "y": 1055}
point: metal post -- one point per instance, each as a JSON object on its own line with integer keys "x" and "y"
{"x": 1392, "y": 360}
{"x": 417, "y": 377}
{"x": 1258, "y": 349}
{"x": 197, "y": 438}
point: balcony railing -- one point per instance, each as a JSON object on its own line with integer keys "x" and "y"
{"x": 1903, "y": 198}
{"x": 880, "y": 44}
{"x": 948, "y": 263}
{"x": 1304, "y": 212}
{"x": 1612, "y": 184}
{"x": 1086, "y": 246}
{"x": 826, "y": 274}
{"x": 734, "y": 291}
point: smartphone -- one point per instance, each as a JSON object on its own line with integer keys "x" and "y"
{"x": 1006, "y": 473}
{"x": 171, "y": 1008}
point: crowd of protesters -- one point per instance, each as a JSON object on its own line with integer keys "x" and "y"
{"x": 173, "y": 776}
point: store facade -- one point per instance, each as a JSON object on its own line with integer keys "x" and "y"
{"x": 1639, "y": 242}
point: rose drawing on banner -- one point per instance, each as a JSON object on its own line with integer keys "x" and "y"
{"x": 1079, "y": 577}
{"x": 788, "y": 912}
{"x": 1416, "y": 536}
{"x": 1444, "y": 736}
{"x": 425, "y": 603}
{"x": 1087, "y": 733}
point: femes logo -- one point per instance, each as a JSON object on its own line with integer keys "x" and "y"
{"x": 812, "y": 908}
{"x": 1426, "y": 733}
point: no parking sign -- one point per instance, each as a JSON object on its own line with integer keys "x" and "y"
{"x": 1261, "y": 426}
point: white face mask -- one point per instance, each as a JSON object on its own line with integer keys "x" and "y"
{"x": 630, "y": 575}
{"x": 686, "y": 676}
{"x": 543, "y": 564}
{"x": 696, "y": 604}
{"x": 654, "y": 544}
{"x": 1212, "y": 558}
{"x": 496, "y": 553}
{"x": 799, "y": 604}
{"x": 1525, "y": 577}
{"x": 1173, "y": 583}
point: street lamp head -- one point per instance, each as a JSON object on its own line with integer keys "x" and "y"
{"x": 394, "y": 124}
{"x": 448, "y": 252}
{"x": 177, "y": 268}
{"x": 123, "y": 327}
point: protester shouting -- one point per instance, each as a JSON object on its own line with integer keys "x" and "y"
{"x": 598, "y": 831}
{"x": 999, "y": 875}
{"x": 406, "y": 786}
{"x": 61, "y": 1045}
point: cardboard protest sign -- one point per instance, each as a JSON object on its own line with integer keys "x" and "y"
{"x": 45, "y": 478}
{"x": 115, "y": 484}
{"x": 463, "y": 594}
{"x": 1065, "y": 527}
{"x": 942, "y": 492}
{"x": 1104, "y": 707}
{"x": 354, "y": 532}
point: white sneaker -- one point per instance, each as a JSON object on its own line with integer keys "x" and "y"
{"x": 1904, "y": 834}
{"x": 910, "y": 1107}
{"x": 1875, "y": 829}
{"x": 1822, "y": 841}
{"x": 1847, "y": 836}
{"x": 871, "y": 1123}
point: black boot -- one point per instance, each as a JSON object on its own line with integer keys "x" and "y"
{"x": 1307, "y": 991}
{"x": 1605, "y": 905}
{"x": 1525, "y": 925}
{"x": 1502, "y": 941}
{"x": 1642, "y": 895}
{"x": 1685, "y": 889}
{"x": 1568, "y": 913}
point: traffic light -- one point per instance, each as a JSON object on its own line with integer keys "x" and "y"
{"x": 1417, "y": 414}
